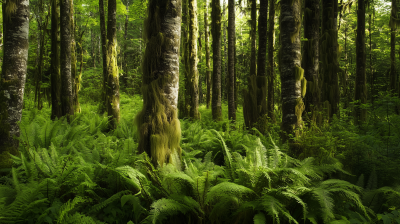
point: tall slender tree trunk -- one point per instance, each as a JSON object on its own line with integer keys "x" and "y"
{"x": 103, "y": 35}
{"x": 193, "y": 74}
{"x": 216, "y": 79}
{"x": 361, "y": 80}
{"x": 65, "y": 59}
{"x": 74, "y": 75}
{"x": 290, "y": 70}
{"x": 224, "y": 79}
{"x": 12, "y": 80}
{"x": 231, "y": 60}
{"x": 253, "y": 38}
{"x": 270, "y": 67}
{"x": 125, "y": 61}
{"x": 262, "y": 59}
{"x": 158, "y": 125}
{"x": 208, "y": 66}
{"x": 393, "y": 29}
{"x": 112, "y": 66}
{"x": 370, "y": 59}
{"x": 56, "y": 111}
{"x": 311, "y": 58}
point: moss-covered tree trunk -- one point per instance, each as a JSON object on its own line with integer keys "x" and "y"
{"x": 231, "y": 60}
{"x": 393, "y": 26}
{"x": 207, "y": 47}
{"x": 65, "y": 59}
{"x": 216, "y": 108}
{"x": 361, "y": 80}
{"x": 310, "y": 59}
{"x": 74, "y": 74}
{"x": 290, "y": 70}
{"x": 193, "y": 74}
{"x": 103, "y": 35}
{"x": 55, "y": 63}
{"x": 12, "y": 79}
{"x": 112, "y": 66}
{"x": 158, "y": 125}
{"x": 270, "y": 67}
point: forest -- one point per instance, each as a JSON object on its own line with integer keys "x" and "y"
{"x": 200, "y": 111}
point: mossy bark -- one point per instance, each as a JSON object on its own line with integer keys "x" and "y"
{"x": 231, "y": 60}
{"x": 158, "y": 124}
{"x": 207, "y": 47}
{"x": 12, "y": 79}
{"x": 216, "y": 108}
{"x": 290, "y": 70}
{"x": 56, "y": 111}
{"x": 112, "y": 67}
{"x": 310, "y": 59}
{"x": 103, "y": 37}
{"x": 65, "y": 59}
{"x": 271, "y": 67}
{"x": 361, "y": 79}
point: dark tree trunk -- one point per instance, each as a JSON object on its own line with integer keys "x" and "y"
{"x": 208, "y": 66}
{"x": 253, "y": 38}
{"x": 224, "y": 78}
{"x": 12, "y": 80}
{"x": 311, "y": 58}
{"x": 56, "y": 111}
{"x": 65, "y": 59}
{"x": 271, "y": 70}
{"x": 262, "y": 59}
{"x": 74, "y": 76}
{"x": 231, "y": 60}
{"x": 112, "y": 66}
{"x": 103, "y": 36}
{"x": 158, "y": 124}
{"x": 393, "y": 26}
{"x": 216, "y": 45}
{"x": 360, "y": 84}
{"x": 290, "y": 70}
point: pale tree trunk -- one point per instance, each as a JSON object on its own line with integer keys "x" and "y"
{"x": 216, "y": 108}
{"x": 208, "y": 65}
{"x": 361, "y": 79}
{"x": 65, "y": 59}
{"x": 158, "y": 124}
{"x": 270, "y": 67}
{"x": 12, "y": 80}
{"x": 290, "y": 68}
{"x": 231, "y": 60}
{"x": 103, "y": 35}
{"x": 112, "y": 66}
{"x": 192, "y": 73}
{"x": 56, "y": 111}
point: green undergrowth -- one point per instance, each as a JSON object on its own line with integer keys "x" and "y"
{"x": 79, "y": 173}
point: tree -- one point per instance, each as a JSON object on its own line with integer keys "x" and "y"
{"x": 231, "y": 60}
{"x": 393, "y": 23}
{"x": 65, "y": 59}
{"x": 360, "y": 84}
{"x": 158, "y": 124}
{"x": 56, "y": 111}
{"x": 74, "y": 74}
{"x": 208, "y": 66}
{"x": 112, "y": 88}
{"x": 216, "y": 108}
{"x": 12, "y": 80}
{"x": 310, "y": 60}
{"x": 292, "y": 75}
{"x": 103, "y": 37}
{"x": 270, "y": 67}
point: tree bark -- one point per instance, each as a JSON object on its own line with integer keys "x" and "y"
{"x": 253, "y": 38}
{"x": 393, "y": 26}
{"x": 231, "y": 60}
{"x": 216, "y": 108}
{"x": 74, "y": 75}
{"x": 65, "y": 59}
{"x": 224, "y": 78}
{"x": 208, "y": 65}
{"x": 103, "y": 36}
{"x": 125, "y": 61}
{"x": 361, "y": 80}
{"x": 158, "y": 125}
{"x": 12, "y": 80}
{"x": 290, "y": 70}
{"x": 262, "y": 59}
{"x": 56, "y": 111}
{"x": 311, "y": 58}
{"x": 112, "y": 66}
{"x": 271, "y": 70}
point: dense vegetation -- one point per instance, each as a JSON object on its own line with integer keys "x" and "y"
{"x": 304, "y": 128}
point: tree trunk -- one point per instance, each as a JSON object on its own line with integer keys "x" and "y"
{"x": 231, "y": 60}
{"x": 290, "y": 70}
{"x": 370, "y": 60}
{"x": 56, "y": 111}
{"x": 12, "y": 80}
{"x": 65, "y": 59}
{"x": 393, "y": 26}
{"x": 271, "y": 70}
{"x": 74, "y": 76}
{"x": 311, "y": 58}
{"x": 112, "y": 66}
{"x": 253, "y": 38}
{"x": 262, "y": 59}
{"x": 224, "y": 79}
{"x": 158, "y": 125}
{"x": 208, "y": 65}
{"x": 103, "y": 34}
{"x": 125, "y": 61}
{"x": 216, "y": 79}
{"x": 193, "y": 74}
{"x": 360, "y": 84}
